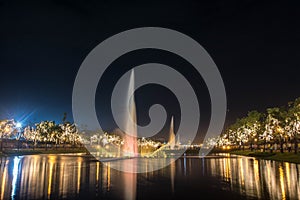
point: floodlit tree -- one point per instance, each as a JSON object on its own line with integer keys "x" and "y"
{"x": 292, "y": 122}
{"x": 69, "y": 133}
{"x": 7, "y": 130}
{"x": 3, "y": 131}
{"x": 265, "y": 134}
{"x": 56, "y": 134}
{"x": 252, "y": 125}
{"x": 240, "y": 132}
{"x": 275, "y": 124}
{"x": 30, "y": 134}
{"x": 45, "y": 129}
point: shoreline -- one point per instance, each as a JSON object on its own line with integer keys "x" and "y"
{"x": 24, "y": 152}
{"x": 289, "y": 157}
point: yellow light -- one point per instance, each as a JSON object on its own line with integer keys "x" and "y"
{"x": 228, "y": 147}
{"x": 78, "y": 175}
{"x": 97, "y": 171}
{"x": 3, "y": 182}
{"x": 108, "y": 176}
{"x": 279, "y": 129}
{"x": 281, "y": 176}
{"x": 51, "y": 164}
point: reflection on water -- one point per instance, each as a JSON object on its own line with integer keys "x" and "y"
{"x": 49, "y": 176}
{"x": 263, "y": 179}
{"x": 78, "y": 177}
{"x": 15, "y": 175}
{"x": 172, "y": 174}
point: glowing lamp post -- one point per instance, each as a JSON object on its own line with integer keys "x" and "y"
{"x": 18, "y": 126}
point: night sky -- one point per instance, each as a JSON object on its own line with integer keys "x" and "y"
{"x": 255, "y": 45}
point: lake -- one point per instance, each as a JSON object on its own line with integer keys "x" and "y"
{"x": 77, "y": 176}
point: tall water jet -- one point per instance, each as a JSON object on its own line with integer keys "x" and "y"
{"x": 172, "y": 134}
{"x": 130, "y": 147}
{"x": 178, "y": 141}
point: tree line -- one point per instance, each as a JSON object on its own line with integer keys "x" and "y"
{"x": 45, "y": 132}
{"x": 276, "y": 127}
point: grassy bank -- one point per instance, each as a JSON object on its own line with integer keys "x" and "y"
{"x": 277, "y": 156}
{"x": 41, "y": 151}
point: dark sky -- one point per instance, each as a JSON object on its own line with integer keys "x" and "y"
{"x": 255, "y": 44}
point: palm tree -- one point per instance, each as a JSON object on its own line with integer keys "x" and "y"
{"x": 64, "y": 118}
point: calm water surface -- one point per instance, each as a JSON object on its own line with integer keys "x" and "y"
{"x": 80, "y": 177}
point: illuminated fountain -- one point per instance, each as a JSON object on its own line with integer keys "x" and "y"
{"x": 172, "y": 139}
{"x": 130, "y": 147}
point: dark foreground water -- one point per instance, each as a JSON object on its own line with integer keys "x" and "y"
{"x": 79, "y": 177}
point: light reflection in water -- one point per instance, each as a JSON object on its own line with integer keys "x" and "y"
{"x": 97, "y": 171}
{"x": 172, "y": 173}
{"x": 51, "y": 164}
{"x": 256, "y": 178}
{"x": 262, "y": 179}
{"x": 282, "y": 183}
{"x": 4, "y": 178}
{"x": 78, "y": 174}
{"x": 70, "y": 176}
{"x": 108, "y": 176}
{"x": 15, "y": 176}
{"x": 130, "y": 180}
{"x": 184, "y": 165}
{"x": 288, "y": 177}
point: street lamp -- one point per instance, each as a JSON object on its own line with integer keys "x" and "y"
{"x": 18, "y": 126}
